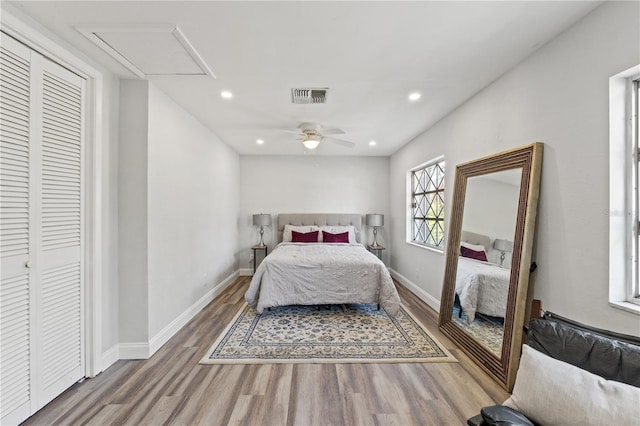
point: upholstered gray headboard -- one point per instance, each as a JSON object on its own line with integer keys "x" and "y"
{"x": 478, "y": 239}
{"x": 319, "y": 219}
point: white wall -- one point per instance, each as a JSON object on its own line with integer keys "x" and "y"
{"x": 179, "y": 199}
{"x": 558, "y": 96}
{"x": 310, "y": 184}
{"x": 491, "y": 207}
{"x": 109, "y": 238}
{"x": 193, "y": 191}
{"x": 132, "y": 211}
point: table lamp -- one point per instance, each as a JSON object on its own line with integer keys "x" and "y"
{"x": 375, "y": 220}
{"x": 261, "y": 220}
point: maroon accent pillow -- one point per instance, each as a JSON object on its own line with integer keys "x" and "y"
{"x": 328, "y": 237}
{"x": 307, "y": 237}
{"x": 473, "y": 254}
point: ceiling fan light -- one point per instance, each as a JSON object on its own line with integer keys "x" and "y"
{"x": 311, "y": 143}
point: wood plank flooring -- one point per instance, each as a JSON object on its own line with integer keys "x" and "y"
{"x": 171, "y": 388}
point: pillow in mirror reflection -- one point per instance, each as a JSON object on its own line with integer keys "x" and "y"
{"x": 473, "y": 251}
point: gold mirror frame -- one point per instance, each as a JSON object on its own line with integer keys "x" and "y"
{"x": 529, "y": 158}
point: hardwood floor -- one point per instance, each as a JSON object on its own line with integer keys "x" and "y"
{"x": 172, "y": 388}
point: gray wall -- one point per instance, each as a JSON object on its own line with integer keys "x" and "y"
{"x": 110, "y": 226}
{"x": 491, "y": 207}
{"x": 132, "y": 210}
{"x": 558, "y": 96}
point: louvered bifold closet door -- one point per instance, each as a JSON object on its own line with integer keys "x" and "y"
{"x": 61, "y": 350}
{"x": 41, "y": 222}
{"x": 15, "y": 280}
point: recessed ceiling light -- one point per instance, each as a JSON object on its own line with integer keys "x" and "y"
{"x": 226, "y": 94}
{"x": 260, "y": 142}
{"x": 414, "y": 96}
{"x": 372, "y": 143}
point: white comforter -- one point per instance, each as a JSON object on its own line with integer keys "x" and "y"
{"x": 482, "y": 287}
{"x": 310, "y": 274}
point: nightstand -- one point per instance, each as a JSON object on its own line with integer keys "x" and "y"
{"x": 255, "y": 249}
{"x": 376, "y": 250}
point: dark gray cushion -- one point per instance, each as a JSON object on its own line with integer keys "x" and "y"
{"x": 609, "y": 355}
{"x": 476, "y": 421}
{"x": 498, "y": 415}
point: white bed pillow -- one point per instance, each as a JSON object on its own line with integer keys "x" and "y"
{"x": 286, "y": 234}
{"x": 552, "y": 392}
{"x": 493, "y": 256}
{"x": 339, "y": 229}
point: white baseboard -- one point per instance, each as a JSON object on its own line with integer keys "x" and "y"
{"x": 423, "y": 295}
{"x": 109, "y": 357}
{"x": 245, "y": 272}
{"x": 144, "y": 350}
{"x": 174, "y": 326}
{"x": 137, "y": 350}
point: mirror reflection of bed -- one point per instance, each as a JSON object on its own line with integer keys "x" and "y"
{"x": 486, "y": 245}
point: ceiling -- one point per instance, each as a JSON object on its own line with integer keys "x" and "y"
{"x": 370, "y": 54}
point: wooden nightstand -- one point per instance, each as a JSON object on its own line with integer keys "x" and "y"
{"x": 376, "y": 250}
{"x": 255, "y": 249}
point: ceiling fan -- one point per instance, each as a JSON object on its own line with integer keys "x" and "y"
{"x": 312, "y": 134}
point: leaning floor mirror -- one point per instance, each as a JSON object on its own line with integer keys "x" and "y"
{"x": 491, "y": 231}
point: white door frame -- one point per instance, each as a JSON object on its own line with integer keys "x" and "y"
{"x": 93, "y": 125}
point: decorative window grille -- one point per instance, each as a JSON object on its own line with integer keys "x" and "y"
{"x": 427, "y": 204}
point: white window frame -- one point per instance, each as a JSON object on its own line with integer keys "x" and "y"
{"x": 410, "y": 219}
{"x": 623, "y": 190}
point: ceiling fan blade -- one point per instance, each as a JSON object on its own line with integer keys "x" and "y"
{"x": 295, "y": 132}
{"x": 341, "y": 142}
{"x": 332, "y": 131}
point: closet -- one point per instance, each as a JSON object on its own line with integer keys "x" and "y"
{"x": 41, "y": 230}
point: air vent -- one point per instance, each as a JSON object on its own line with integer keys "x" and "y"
{"x": 309, "y": 95}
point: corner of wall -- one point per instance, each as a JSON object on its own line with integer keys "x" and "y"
{"x": 132, "y": 212}
{"x": 415, "y": 289}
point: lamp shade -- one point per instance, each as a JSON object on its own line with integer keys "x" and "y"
{"x": 375, "y": 219}
{"x": 261, "y": 219}
{"x": 503, "y": 245}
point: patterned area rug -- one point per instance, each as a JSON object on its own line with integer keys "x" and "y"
{"x": 335, "y": 334}
{"x": 483, "y": 329}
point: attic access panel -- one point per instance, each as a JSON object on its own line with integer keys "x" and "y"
{"x": 159, "y": 50}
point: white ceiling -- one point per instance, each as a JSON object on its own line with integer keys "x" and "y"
{"x": 369, "y": 54}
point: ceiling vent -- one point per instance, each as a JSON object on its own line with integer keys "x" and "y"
{"x": 309, "y": 95}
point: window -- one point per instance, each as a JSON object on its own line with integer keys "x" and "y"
{"x": 426, "y": 184}
{"x": 634, "y": 234}
{"x": 624, "y": 171}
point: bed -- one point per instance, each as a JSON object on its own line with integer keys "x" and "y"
{"x": 321, "y": 273}
{"x": 481, "y": 286}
